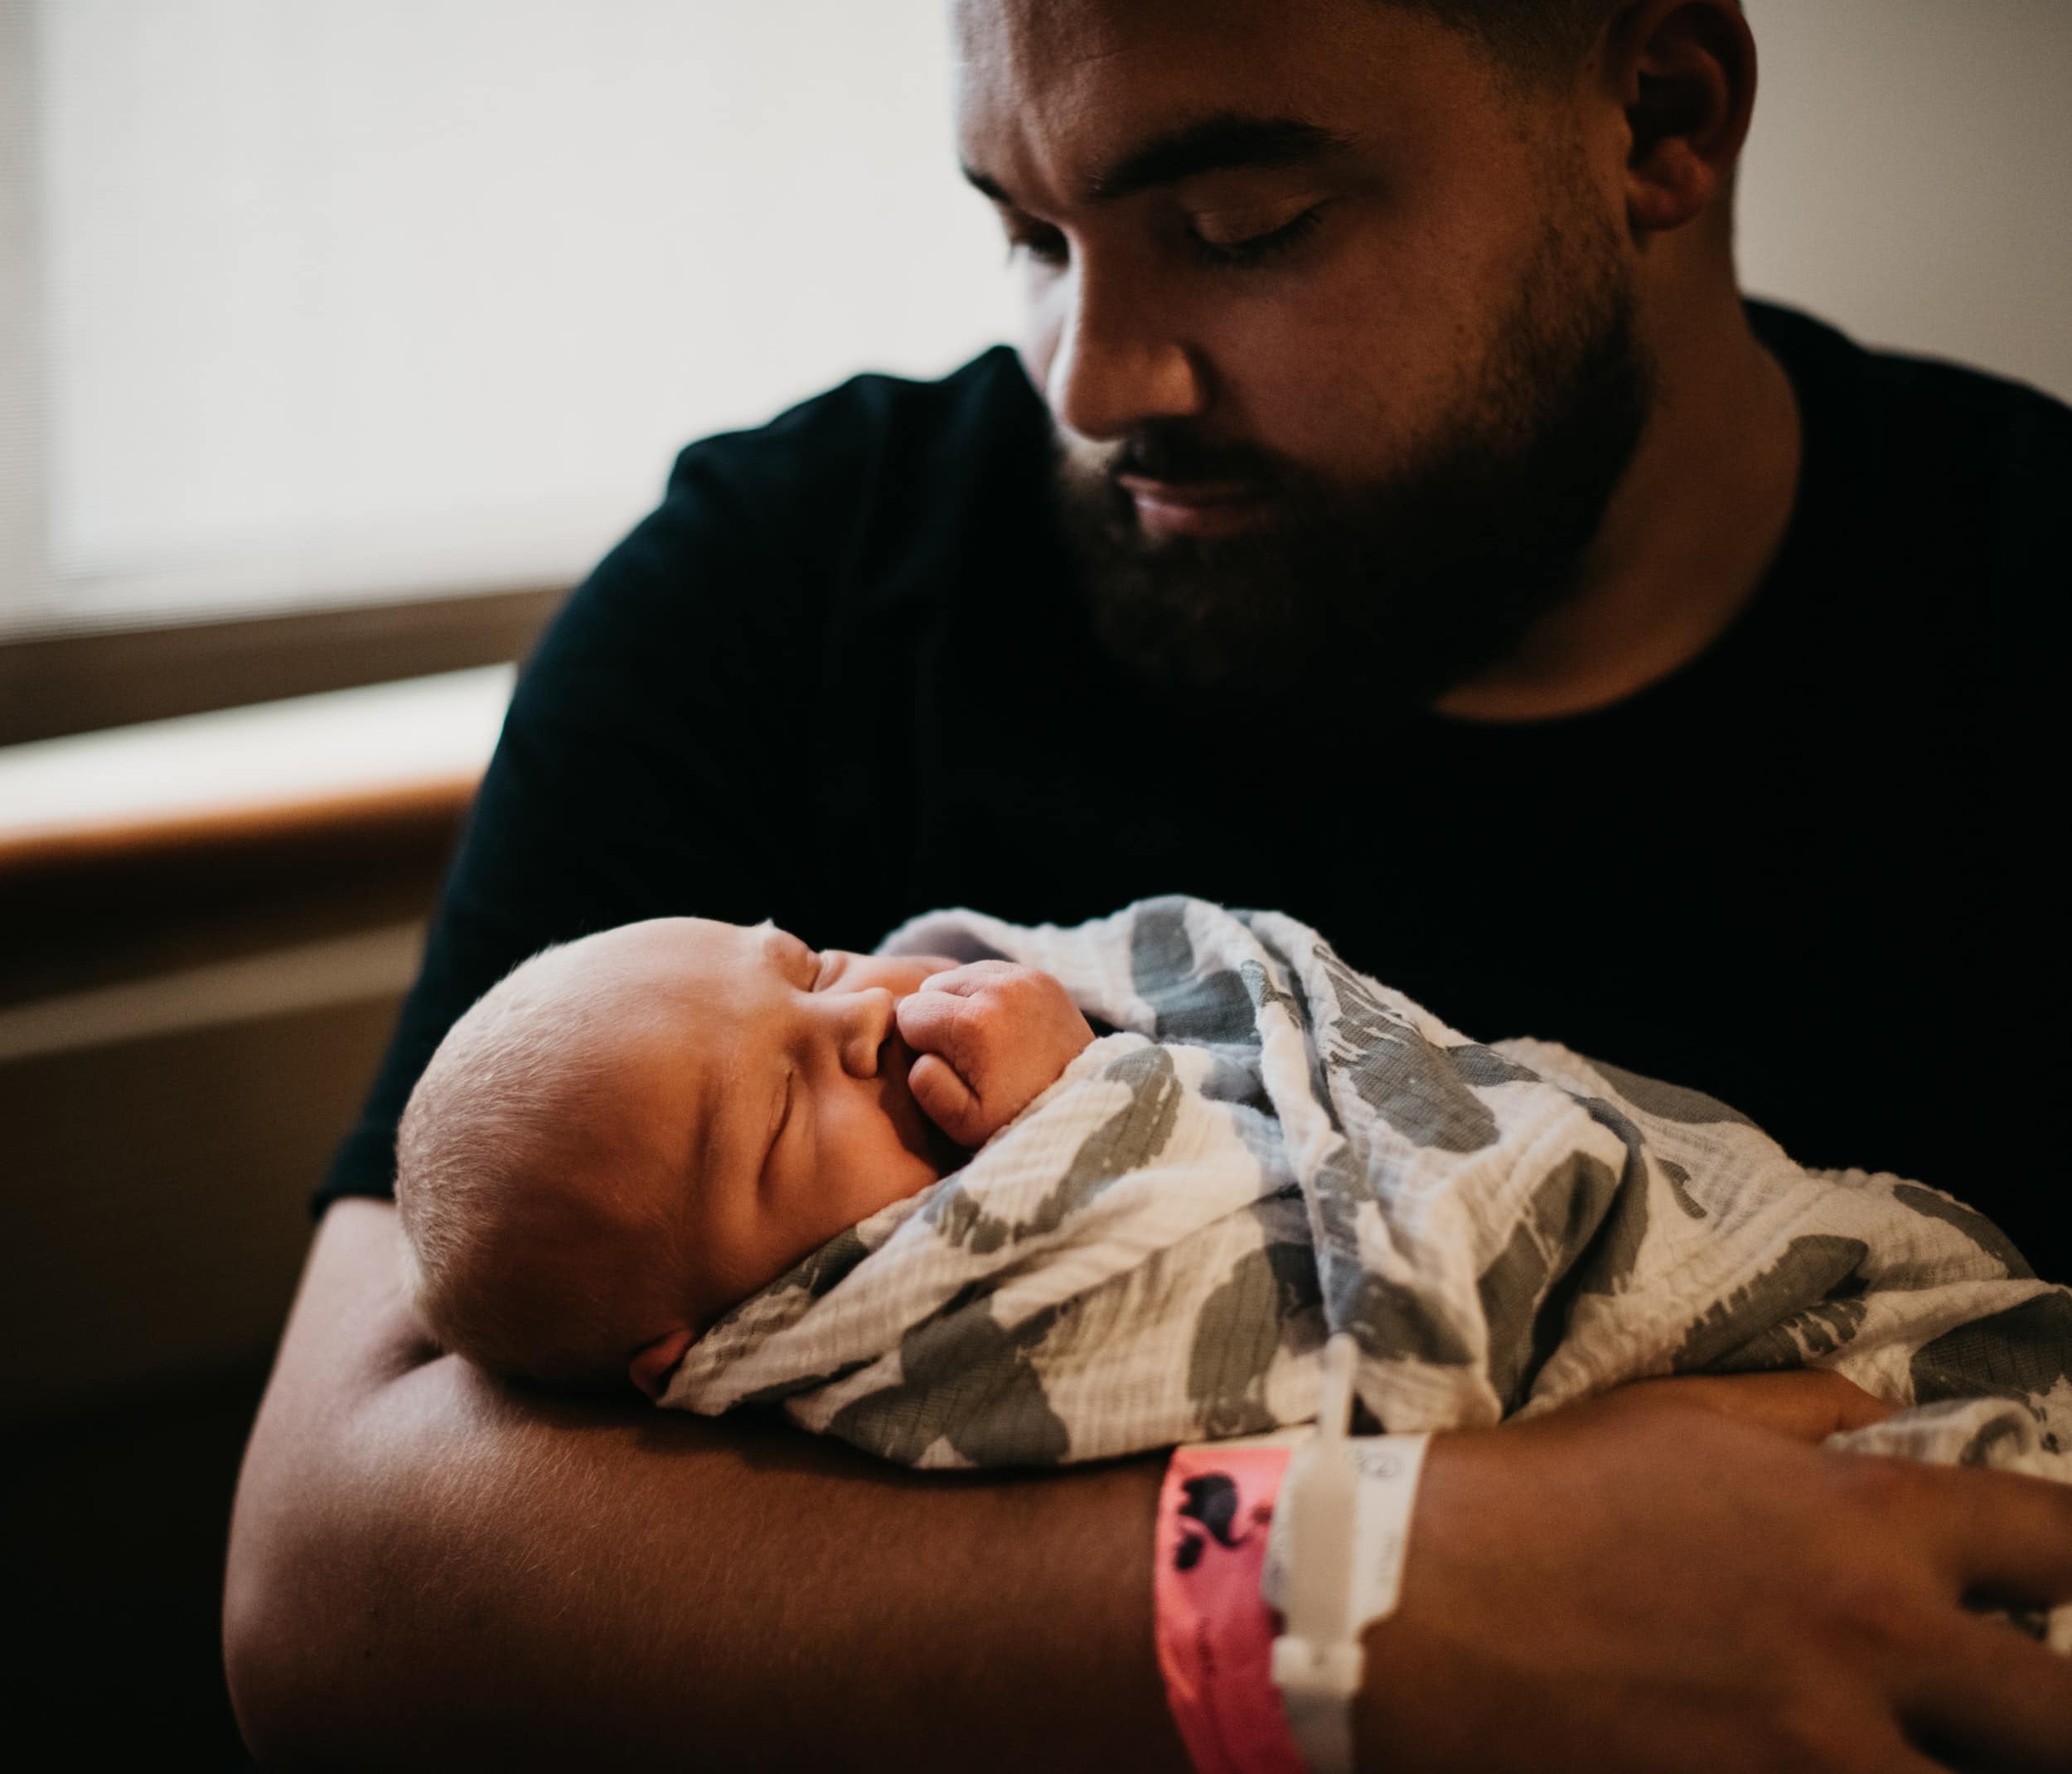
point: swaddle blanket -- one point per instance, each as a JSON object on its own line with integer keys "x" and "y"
{"x": 1274, "y": 1146}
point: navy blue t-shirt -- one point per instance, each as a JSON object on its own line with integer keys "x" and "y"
{"x": 843, "y": 674}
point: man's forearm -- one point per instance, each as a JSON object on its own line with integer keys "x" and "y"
{"x": 428, "y": 1569}
{"x": 425, "y": 1566}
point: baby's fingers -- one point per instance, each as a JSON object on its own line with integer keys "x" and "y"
{"x": 946, "y": 1099}
{"x": 973, "y": 976}
{"x": 933, "y": 1021}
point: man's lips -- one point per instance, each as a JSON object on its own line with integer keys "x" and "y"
{"x": 1194, "y": 508}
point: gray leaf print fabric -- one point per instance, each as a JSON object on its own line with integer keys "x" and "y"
{"x": 1274, "y": 1147}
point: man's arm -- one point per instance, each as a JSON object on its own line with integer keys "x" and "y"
{"x": 428, "y": 1568}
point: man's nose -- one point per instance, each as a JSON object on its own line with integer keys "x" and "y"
{"x": 1118, "y": 362}
{"x": 864, "y": 1021}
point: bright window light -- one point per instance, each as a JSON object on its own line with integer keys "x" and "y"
{"x": 354, "y": 298}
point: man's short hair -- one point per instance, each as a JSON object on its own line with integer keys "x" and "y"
{"x": 1539, "y": 40}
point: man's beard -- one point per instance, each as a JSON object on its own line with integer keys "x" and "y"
{"x": 1391, "y": 592}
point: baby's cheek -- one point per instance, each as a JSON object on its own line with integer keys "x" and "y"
{"x": 873, "y": 1164}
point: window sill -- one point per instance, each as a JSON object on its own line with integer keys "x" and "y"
{"x": 91, "y": 680}
{"x": 161, "y": 849}
{"x": 381, "y": 754}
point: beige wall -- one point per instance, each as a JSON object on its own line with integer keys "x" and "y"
{"x": 185, "y": 1034}
{"x": 1909, "y": 177}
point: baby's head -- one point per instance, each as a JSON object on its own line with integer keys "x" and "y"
{"x": 635, "y": 1131}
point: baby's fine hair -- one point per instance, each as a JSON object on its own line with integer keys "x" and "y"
{"x": 493, "y": 1110}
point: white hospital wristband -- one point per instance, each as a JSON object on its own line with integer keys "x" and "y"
{"x": 1335, "y": 1561}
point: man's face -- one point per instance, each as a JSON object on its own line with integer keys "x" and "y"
{"x": 1337, "y": 328}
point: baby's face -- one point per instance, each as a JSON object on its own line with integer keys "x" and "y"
{"x": 765, "y": 1084}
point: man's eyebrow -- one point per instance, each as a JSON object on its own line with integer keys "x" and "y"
{"x": 1227, "y": 142}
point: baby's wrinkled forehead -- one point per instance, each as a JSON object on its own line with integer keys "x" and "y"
{"x": 662, "y": 969}
{"x": 639, "y": 1030}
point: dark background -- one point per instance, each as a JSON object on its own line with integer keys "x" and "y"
{"x": 156, "y": 1227}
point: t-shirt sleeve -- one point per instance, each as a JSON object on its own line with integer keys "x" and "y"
{"x": 645, "y": 751}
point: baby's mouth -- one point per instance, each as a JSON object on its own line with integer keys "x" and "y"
{"x": 918, "y": 1133}
{"x": 944, "y": 1154}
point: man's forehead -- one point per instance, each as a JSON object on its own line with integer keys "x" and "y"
{"x": 1029, "y": 36}
{"x": 1053, "y": 94}
{"x": 1027, "y": 39}
{"x": 1074, "y": 59}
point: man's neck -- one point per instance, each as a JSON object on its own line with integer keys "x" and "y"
{"x": 1686, "y": 543}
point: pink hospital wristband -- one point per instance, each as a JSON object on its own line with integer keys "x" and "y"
{"x": 1214, "y": 1632}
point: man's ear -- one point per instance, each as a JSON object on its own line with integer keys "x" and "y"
{"x": 1686, "y": 75}
{"x": 652, "y": 1366}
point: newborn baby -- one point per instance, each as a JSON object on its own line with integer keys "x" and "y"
{"x": 744, "y": 1174}
{"x": 634, "y": 1132}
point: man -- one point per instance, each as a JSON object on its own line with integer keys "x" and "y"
{"x": 1445, "y": 560}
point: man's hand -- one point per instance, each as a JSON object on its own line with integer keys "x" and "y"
{"x": 430, "y": 1570}
{"x": 992, "y": 1037}
{"x": 1808, "y": 1404}
{"x": 1652, "y": 1581}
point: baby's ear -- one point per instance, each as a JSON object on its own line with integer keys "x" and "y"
{"x": 652, "y": 1367}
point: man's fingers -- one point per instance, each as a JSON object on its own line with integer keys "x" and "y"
{"x": 1810, "y": 1404}
{"x": 1881, "y": 1748}
{"x": 1807, "y": 1403}
{"x": 2012, "y": 1535}
{"x": 1994, "y": 1698}
{"x": 1824, "y": 1398}
{"x": 945, "y": 1098}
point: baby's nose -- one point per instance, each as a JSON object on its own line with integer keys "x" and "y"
{"x": 867, "y": 1019}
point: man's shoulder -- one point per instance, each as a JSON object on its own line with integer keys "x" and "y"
{"x": 875, "y": 441}
{"x": 1928, "y": 520}
{"x": 1909, "y": 418}
{"x": 873, "y": 488}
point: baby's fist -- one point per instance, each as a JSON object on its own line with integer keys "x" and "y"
{"x": 992, "y": 1036}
